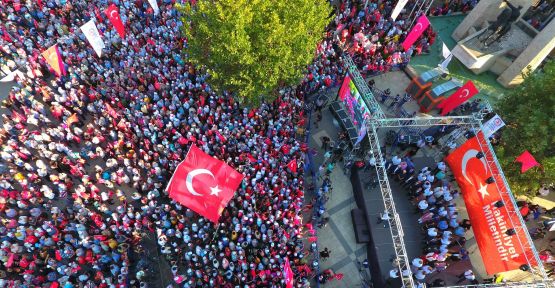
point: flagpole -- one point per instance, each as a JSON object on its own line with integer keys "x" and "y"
{"x": 215, "y": 233}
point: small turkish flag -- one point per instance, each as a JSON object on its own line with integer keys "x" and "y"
{"x": 113, "y": 14}
{"x": 460, "y": 96}
{"x": 293, "y": 165}
{"x": 204, "y": 184}
{"x": 288, "y": 274}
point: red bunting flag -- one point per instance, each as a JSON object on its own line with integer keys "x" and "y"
{"x": 113, "y": 14}
{"x": 460, "y": 96}
{"x": 204, "y": 184}
{"x": 527, "y": 160}
{"x": 419, "y": 28}
{"x": 292, "y": 165}
{"x": 288, "y": 274}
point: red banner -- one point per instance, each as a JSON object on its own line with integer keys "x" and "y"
{"x": 421, "y": 26}
{"x": 490, "y": 221}
{"x": 527, "y": 160}
{"x": 288, "y": 274}
{"x": 204, "y": 184}
{"x": 460, "y": 96}
{"x": 113, "y": 14}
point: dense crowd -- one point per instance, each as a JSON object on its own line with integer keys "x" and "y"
{"x": 444, "y": 232}
{"x": 364, "y": 30}
{"x": 86, "y": 156}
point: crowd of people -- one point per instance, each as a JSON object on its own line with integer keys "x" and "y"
{"x": 364, "y": 30}
{"x": 443, "y": 231}
{"x": 86, "y": 156}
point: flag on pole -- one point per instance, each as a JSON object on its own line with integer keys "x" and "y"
{"x": 92, "y": 35}
{"x": 464, "y": 93}
{"x": 288, "y": 274}
{"x": 398, "y": 8}
{"x": 154, "y": 6}
{"x": 445, "y": 51}
{"x": 421, "y": 26}
{"x": 443, "y": 65}
{"x": 527, "y": 160}
{"x": 292, "y": 165}
{"x": 221, "y": 137}
{"x": 492, "y": 125}
{"x": 203, "y": 184}
{"x": 54, "y": 59}
{"x": 113, "y": 14}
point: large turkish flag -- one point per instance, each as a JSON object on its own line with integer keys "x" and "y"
{"x": 113, "y": 14}
{"x": 204, "y": 184}
{"x": 467, "y": 91}
{"x": 500, "y": 251}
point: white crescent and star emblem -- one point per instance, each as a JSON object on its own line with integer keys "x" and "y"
{"x": 471, "y": 153}
{"x": 112, "y": 14}
{"x": 416, "y": 27}
{"x": 464, "y": 93}
{"x": 189, "y": 182}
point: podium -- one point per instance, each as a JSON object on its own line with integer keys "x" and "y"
{"x": 423, "y": 83}
{"x": 433, "y": 97}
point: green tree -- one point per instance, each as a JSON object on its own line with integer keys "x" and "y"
{"x": 529, "y": 112}
{"x": 252, "y": 47}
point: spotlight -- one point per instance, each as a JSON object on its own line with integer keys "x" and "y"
{"x": 499, "y": 204}
{"x": 524, "y": 267}
{"x": 510, "y": 232}
{"x": 490, "y": 180}
{"x": 480, "y": 155}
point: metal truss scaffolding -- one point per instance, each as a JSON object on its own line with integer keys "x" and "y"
{"x": 395, "y": 225}
{"x": 362, "y": 88}
{"x": 539, "y": 275}
{"x": 474, "y": 121}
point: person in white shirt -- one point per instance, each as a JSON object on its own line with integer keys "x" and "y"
{"x": 384, "y": 218}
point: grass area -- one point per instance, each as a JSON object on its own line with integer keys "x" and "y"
{"x": 485, "y": 82}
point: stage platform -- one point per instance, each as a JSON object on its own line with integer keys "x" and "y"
{"x": 369, "y": 198}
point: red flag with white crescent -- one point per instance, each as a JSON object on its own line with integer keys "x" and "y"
{"x": 204, "y": 184}
{"x": 460, "y": 96}
{"x": 54, "y": 59}
{"x": 113, "y": 14}
{"x": 288, "y": 274}
{"x": 419, "y": 28}
{"x": 490, "y": 208}
{"x": 292, "y": 165}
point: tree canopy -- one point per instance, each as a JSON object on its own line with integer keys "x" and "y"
{"x": 529, "y": 112}
{"x": 251, "y": 47}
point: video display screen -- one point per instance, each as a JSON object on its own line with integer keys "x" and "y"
{"x": 353, "y": 102}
